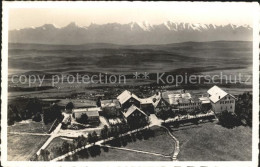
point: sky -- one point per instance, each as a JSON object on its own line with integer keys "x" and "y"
{"x": 34, "y": 14}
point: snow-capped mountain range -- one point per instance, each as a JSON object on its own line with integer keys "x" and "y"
{"x": 131, "y": 33}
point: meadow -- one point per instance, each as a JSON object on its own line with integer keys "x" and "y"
{"x": 212, "y": 142}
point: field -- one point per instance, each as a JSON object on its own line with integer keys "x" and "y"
{"x": 126, "y": 59}
{"x": 121, "y": 155}
{"x": 77, "y": 102}
{"x": 161, "y": 143}
{"x": 207, "y": 58}
{"x": 57, "y": 142}
{"x": 23, "y": 147}
{"x": 29, "y": 126}
{"x": 212, "y": 142}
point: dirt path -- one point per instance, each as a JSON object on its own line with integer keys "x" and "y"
{"x": 176, "y": 144}
{"x": 54, "y": 134}
{"x": 27, "y": 133}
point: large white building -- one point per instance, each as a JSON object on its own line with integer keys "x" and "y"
{"x": 221, "y": 100}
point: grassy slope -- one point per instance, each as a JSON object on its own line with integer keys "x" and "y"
{"x": 23, "y": 147}
{"x": 212, "y": 142}
{"x": 161, "y": 143}
{"x": 31, "y": 127}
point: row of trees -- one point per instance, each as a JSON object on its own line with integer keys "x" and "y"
{"x": 124, "y": 140}
{"x": 243, "y": 108}
{"x": 118, "y": 129}
{"x": 114, "y": 131}
{"x": 92, "y": 138}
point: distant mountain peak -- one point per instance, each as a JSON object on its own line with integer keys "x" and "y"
{"x": 71, "y": 25}
{"x": 131, "y": 33}
{"x": 48, "y": 26}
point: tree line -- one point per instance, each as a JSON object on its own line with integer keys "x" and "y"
{"x": 22, "y": 109}
{"x": 92, "y": 138}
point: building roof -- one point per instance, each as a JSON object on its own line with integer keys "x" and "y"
{"x": 175, "y": 97}
{"x": 131, "y": 110}
{"x": 186, "y": 95}
{"x": 124, "y": 96}
{"x": 110, "y": 103}
{"x": 146, "y": 101}
{"x": 217, "y": 93}
{"x": 88, "y": 111}
{"x": 204, "y": 100}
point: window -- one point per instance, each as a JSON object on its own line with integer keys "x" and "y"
{"x": 231, "y": 107}
{"x": 221, "y": 108}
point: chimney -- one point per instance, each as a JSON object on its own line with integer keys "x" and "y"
{"x": 218, "y": 97}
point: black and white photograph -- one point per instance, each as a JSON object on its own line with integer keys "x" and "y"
{"x": 156, "y": 83}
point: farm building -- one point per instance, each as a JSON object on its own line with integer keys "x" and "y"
{"x": 127, "y": 99}
{"x": 221, "y": 100}
{"x": 147, "y": 106}
{"x": 205, "y": 103}
{"x": 92, "y": 113}
{"x": 134, "y": 113}
{"x": 110, "y": 112}
{"x": 188, "y": 104}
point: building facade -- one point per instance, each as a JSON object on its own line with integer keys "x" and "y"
{"x": 221, "y": 100}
